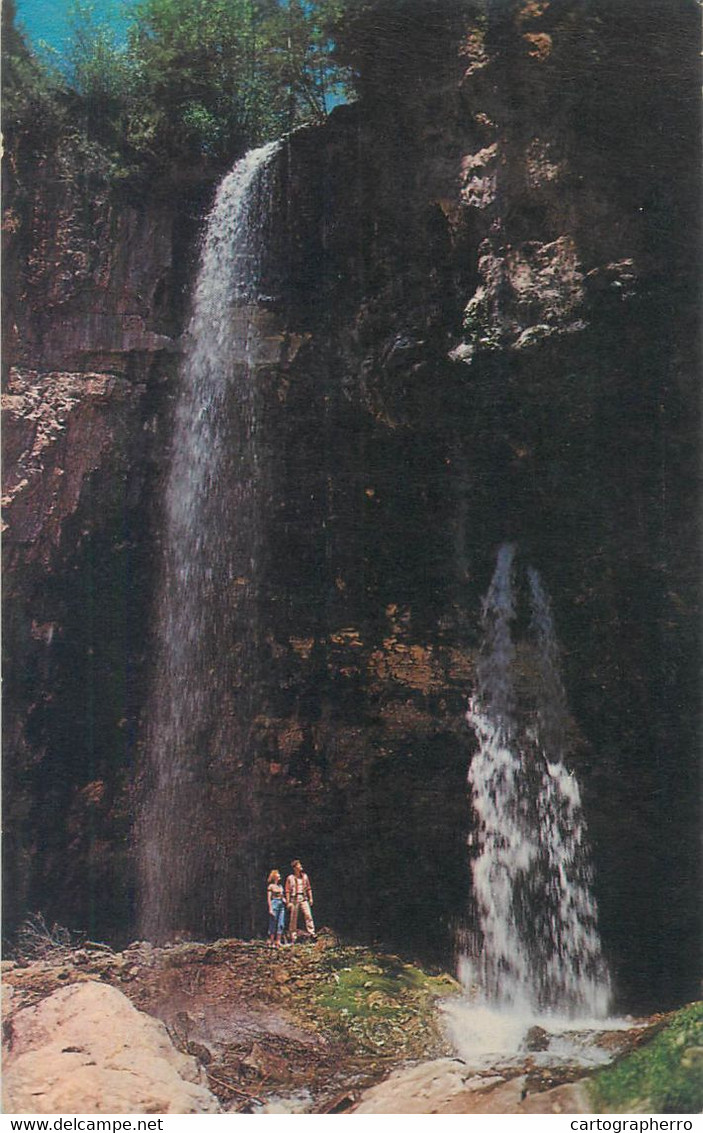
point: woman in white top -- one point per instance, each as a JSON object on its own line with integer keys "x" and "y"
{"x": 276, "y": 907}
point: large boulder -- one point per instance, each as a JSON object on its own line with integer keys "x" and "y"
{"x": 448, "y": 1085}
{"x": 86, "y": 1049}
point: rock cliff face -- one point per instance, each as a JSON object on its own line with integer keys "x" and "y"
{"x": 93, "y": 308}
{"x": 484, "y": 283}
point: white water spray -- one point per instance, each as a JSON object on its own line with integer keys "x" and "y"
{"x": 532, "y": 878}
{"x": 200, "y": 715}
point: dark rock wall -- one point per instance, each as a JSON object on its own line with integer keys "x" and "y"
{"x": 93, "y": 306}
{"x": 484, "y": 279}
{"x": 510, "y": 350}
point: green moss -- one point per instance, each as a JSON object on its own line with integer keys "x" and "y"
{"x": 382, "y": 1004}
{"x": 663, "y": 1076}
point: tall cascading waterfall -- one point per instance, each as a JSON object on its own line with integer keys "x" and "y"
{"x": 200, "y": 710}
{"x": 532, "y": 878}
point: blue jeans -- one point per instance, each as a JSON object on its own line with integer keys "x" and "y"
{"x": 277, "y": 917}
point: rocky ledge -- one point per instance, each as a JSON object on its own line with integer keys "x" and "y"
{"x": 235, "y": 1026}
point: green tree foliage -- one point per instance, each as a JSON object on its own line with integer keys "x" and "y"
{"x": 198, "y": 68}
{"x": 217, "y": 76}
{"x": 31, "y": 91}
{"x": 197, "y": 81}
{"x": 305, "y": 65}
{"x": 101, "y": 93}
{"x": 100, "y": 72}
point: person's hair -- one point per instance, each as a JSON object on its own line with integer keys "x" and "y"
{"x": 273, "y": 875}
{"x": 295, "y": 862}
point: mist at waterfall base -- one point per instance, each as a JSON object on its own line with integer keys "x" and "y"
{"x": 540, "y": 960}
{"x": 207, "y": 639}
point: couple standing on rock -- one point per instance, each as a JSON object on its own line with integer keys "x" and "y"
{"x": 296, "y": 897}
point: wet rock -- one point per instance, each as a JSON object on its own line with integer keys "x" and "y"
{"x": 569, "y": 1098}
{"x": 418, "y": 1090}
{"x": 536, "y": 1039}
{"x": 447, "y": 1087}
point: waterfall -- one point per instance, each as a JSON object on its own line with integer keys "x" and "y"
{"x": 201, "y": 712}
{"x": 532, "y": 875}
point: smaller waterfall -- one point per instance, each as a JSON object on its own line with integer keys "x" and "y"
{"x": 532, "y": 876}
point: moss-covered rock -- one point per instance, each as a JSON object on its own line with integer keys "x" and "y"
{"x": 665, "y": 1075}
{"x": 381, "y": 1004}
